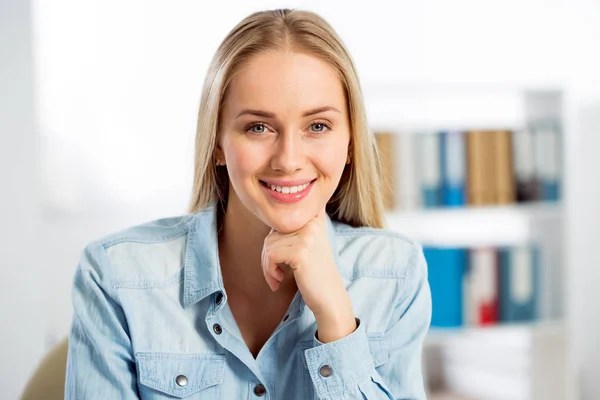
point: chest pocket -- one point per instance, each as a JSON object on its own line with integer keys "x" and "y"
{"x": 182, "y": 376}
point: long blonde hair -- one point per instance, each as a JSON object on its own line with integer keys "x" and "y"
{"x": 357, "y": 200}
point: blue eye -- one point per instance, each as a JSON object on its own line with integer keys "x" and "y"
{"x": 319, "y": 127}
{"x": 258, "y": 129}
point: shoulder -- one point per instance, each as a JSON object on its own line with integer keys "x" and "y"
{"x": 147, "y": 252}
{"x": 373, "y": 252}
{"x": 155, "y": 231}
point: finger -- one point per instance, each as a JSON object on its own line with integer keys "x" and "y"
{"x": 275, "y": 236}
{"x": 272, "y": 282}
{"x": 272, "y": 272}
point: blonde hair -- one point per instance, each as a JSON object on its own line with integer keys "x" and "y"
{"x": 357, "y": 200}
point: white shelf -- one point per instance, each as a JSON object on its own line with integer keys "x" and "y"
{"x": 437, "y": 336}
{"x": 473, "y": 226}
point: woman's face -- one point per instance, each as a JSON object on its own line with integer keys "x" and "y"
{"x": 284, "y": 135}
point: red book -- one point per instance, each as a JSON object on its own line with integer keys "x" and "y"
{"x": 482, "y": 287}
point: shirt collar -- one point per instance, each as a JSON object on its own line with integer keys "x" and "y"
{"x": 202, "y": 270}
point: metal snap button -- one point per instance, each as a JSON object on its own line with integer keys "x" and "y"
{"x": 217, "y": 328}
{"x": 219, "y": 298}
{"x": 181, "y": 380}
{"x": 326, "y": 371}
{"x": 287, "y": 316}
{"x": 260, "y": 390}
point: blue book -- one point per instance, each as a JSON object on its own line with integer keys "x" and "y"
{"x": 446, "y": 268}
{"x": 453, "y": 168}
{"x": 430, "y": 179}
{"x": 547, "y": 149}
{"x": 519, "y": 284}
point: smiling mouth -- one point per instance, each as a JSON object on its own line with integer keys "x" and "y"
{"x": 287, "y": 189}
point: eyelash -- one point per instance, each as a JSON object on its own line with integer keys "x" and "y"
{"x": 249, "y": 128}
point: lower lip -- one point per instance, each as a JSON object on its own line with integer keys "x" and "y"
{"x": 288, "y": 197}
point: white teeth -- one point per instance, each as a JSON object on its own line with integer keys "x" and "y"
{"x": 289, "y": 189}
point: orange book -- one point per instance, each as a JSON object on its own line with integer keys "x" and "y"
{"x": 503, "y": 174}
{"x": 478, "y": 176}
{"x": 385, "y": 144}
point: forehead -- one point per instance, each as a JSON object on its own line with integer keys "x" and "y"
{"x": 285, "y": 81}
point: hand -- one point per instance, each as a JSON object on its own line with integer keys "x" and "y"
{"x": 309, "y": 255}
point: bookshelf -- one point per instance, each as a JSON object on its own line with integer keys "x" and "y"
{"x": 539, "y": 346}
{"x": 441, "y": 336}
{"x": 481, "y": 226}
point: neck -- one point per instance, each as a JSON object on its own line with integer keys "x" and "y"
{"x": 240, "y": 248}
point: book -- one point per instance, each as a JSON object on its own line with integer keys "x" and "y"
{"x": 481, "y": 289}
{"x": 526, "y": 184}
{"x": 453, "y": 164}
{"x": 446, "y": 268}
{"x": 406, "y": 184}
{"x": 502, "y": 167}
{"x": 429, "y": 171}
{"x": 546, "y": 159}
{"x": 478, "y": 174}
{"x": 386, "y": 147}
{"x": 518, "y": 284}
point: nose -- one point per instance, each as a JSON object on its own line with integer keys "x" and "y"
{"x": 289, "y": 153}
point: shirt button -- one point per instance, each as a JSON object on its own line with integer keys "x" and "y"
{"x": 259, "y": 390}
{"x": 287, "y": 316}
{"x": 217, "y": 328}
{"x": 219, "y": 298}
{"x": 326, "y": 371}
{"x": 181, "y": 380}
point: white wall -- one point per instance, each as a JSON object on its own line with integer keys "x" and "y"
{"x": 21, "y": 310}
{"x": 119, "y": 84}
{"x": 583, "y": 231}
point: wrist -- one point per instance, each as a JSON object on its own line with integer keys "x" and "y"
{"x": 335, "y": 326}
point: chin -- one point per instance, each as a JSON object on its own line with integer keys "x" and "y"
{"x": 286, "y": 223}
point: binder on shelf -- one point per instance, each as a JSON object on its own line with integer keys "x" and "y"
{"x": 453, "y": 165}
{"x": 430, "y": 176}
{"x": 526, "y": 184}
{"x": 478, "y": 175}
{"x": 446, "y": 268}
{"x": 385, "y": 144}
{"x": 502, "y": 167}
{"x": 546, "y": 159}
{"x": 481, "y": 287}
{"x": 518, "y": 284}
{"x": 407, "y": 191}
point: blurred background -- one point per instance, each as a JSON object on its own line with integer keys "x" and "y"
{"x": 488, "y": 114}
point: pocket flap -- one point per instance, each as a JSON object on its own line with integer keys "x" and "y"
{"x": 160, "y": 371}
{"x": 378, "y": 350}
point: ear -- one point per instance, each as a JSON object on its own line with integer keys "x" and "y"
{"x": 219, "y": 155}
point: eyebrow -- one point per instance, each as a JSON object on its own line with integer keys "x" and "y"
{"x": 308, "y": 113}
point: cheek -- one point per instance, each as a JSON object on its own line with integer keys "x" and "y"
{"x": 239, "y": 163}
{"x": 333, "y": 158}
{"x": 242, "y": 160}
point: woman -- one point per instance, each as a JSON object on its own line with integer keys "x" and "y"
{"x": 280, "y": 283}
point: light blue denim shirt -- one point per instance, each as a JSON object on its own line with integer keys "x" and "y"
{"x": 151, "y": 321}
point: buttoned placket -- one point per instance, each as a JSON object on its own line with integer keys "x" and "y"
{"x": 218, "y": 319}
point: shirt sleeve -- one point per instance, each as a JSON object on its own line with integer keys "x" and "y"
{"x": 345, "y": 370}
{"x": 100, "y": 361}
